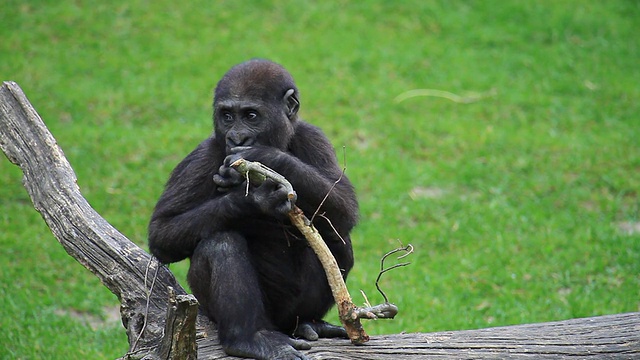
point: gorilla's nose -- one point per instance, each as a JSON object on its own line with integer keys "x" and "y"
{"x": 235, "y": 138}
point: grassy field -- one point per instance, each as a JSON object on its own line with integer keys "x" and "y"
{"x": 515, "y": 172}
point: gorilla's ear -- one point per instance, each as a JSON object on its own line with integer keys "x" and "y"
{"x": 292, "y": 103}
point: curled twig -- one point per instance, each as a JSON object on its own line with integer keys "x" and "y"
{"x": 149, "y": 291}
{"x": 407, "y": 251}
{"x": 332, "y": 227}
{"x": 344, "y": 170}
{"x": 313, "y": 217}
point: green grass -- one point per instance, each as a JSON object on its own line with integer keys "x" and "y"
{"x": 514, "y": 202}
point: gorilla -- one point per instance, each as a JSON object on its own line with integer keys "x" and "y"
{"x": 251, "y": 270}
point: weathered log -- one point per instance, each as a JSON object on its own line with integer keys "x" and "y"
{"x": 179, "y": 341}
{"x": 122, "y": 266}
{"x": 602, "y": 337}
{"x": 129, "y": 272}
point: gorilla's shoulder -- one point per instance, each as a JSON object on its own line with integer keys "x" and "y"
{"x": 306, "y": 129}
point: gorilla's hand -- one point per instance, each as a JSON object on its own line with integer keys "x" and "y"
{"x": 260, "y": 153}
{"x": 228, "y": 177}
{"x": 272, "y": 199}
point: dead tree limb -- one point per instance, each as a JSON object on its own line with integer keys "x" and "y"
{"x": 119, "y": 263}
{"x": 123, "y": 268}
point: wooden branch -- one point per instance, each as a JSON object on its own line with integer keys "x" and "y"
{"x": 179, "y": 341}
{"x": 347, "y": 310}
{"x": 349, "y": 313}
{"x": 123, "y": 267}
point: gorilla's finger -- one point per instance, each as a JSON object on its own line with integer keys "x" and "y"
{"x": 306, "y": 331}
{"x": 239, "y": 149}
{"x": 332, "y": 331}
{"x": 299, "y": 344}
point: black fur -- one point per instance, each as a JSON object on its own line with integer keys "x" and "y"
{"x": 251, "y": 270}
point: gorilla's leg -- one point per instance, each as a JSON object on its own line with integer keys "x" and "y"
{"x": 224, "y": 281}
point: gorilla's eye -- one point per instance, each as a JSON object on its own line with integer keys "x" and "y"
{"x": 227, "y": 117}
{"x": 252, "y": 115}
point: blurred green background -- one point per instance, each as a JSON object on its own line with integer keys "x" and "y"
{"x": 515, "y": 173}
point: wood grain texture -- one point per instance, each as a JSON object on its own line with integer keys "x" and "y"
{"x": 602, "y": 337}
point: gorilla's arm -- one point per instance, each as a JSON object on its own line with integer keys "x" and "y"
{"x": 190, "y": 207}
{"x": 312, "y": 168}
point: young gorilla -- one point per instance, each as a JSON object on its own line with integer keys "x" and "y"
{"x": 251, "y": 270}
